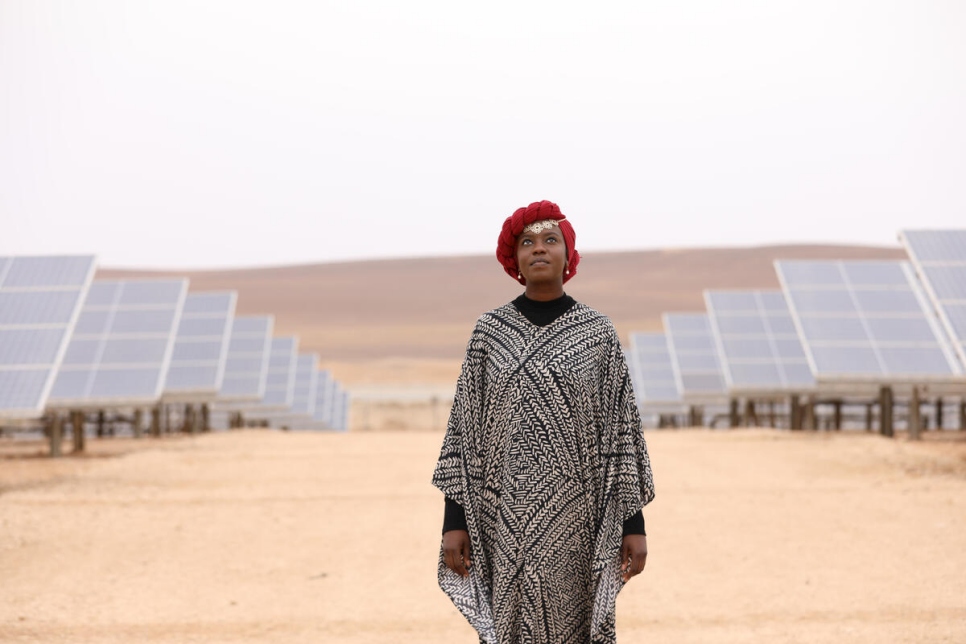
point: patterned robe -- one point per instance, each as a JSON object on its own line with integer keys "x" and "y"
{"x": 544, "y": 451}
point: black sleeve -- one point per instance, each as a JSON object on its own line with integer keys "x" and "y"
{"x": 454, "y": 517}
{"x": 633, "y": 525}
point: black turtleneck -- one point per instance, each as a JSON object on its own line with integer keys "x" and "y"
{"x": 540, "y": 314}
{"x": 543, "y": 313}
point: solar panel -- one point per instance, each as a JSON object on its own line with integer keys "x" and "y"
{"x": 939, "y": 257}
{"x": 757, "y": 342}
{"x": 305, "y": 390}
{"x": 201, "y": 347}
{"x": 300, "y": 414}
{"x": 694, "y": 358}
{"x": 246, "y": 368}
{"x": 280, "y": 382}
{"x": 40, "y": 301}
{"x": 654, "y": 383}
{"x": 340, "y": 409}
{"x": 866, "y": 322}
{"x": 324, "y": 388}
{"x": 121, "y": 346}
{"x": 339, "y": 401}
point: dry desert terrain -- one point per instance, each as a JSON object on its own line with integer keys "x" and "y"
{"x": 262, "y": 537}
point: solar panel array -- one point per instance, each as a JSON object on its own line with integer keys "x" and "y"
{"x": 332, "y": 403}
{"x": 341, "y": 414}
{"x": 70, "y": 343}
{"x": 694, "y": 357}
{"x": 655, "y": 385}
{"x": 201, "y": 347}
{"x": 121, "y": 346}
{"x": 246, "y": 368}
{"x": 280, "y": 385}
{"x": 40, "y": 300}
{"x": 323, "y": 398}
{"x": 757, "y": 342}
{"x": 305, "y": 390}
{"x": 939, "y": 257}
{"x": 865, "y": 321}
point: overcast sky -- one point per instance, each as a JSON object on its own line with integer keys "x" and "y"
{"x": 220, "y": 134}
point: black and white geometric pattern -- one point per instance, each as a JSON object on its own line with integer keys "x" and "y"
{"x": 544, "y": 451}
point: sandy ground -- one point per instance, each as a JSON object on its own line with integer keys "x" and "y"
{"x": 260, "y": 536}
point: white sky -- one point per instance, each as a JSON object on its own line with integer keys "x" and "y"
{"x": 216, "y": 134}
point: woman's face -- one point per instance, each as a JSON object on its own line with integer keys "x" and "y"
{"x": 542, "y": 257}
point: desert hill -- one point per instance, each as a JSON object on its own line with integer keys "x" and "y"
{"x": 408, "y": 319}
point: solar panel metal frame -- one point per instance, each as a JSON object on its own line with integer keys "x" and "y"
{"x": 919, "y": 254}
{"x": 641, "y": 356}
{"x": 202, "y": 394}
{"x": 676, "y": 341}
{"x": 767, "y": 316}
{"x": 76, "y": 279}
{"x": 141, "y": 300}
{"x": 859, "y": 383}
{"x": 262, "y": 340}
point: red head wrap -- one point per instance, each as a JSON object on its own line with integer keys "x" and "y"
{"x": 506, "y": 246}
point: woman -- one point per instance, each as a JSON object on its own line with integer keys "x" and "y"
{"x": 544, "y": 465}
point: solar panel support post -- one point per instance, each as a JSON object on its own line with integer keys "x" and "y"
{"x": 794, "y": 413}
{"x": 136, "y": 423}
{"x": 886, "y": 403}
{"x": 167, "y": 419}
{"x": 100, "y": 423}
{"x": 811, "y": 419}
{"x": 205, "y": 418}
{"x": 156, "y": 421}
{"x": 772, "y": 419}
{"x": 962, "y": 415}
{"x": 915, "y": 416}
{"x": 77, "y": 429}
{"x": 837, "y": 415}
{"x": 733, "y": 420}
{"x": 191, "y": 418}
{"x": 939, "y": 413}
{"x": 56, "y": 430}
{"x": 696, "y": 413}
{"x": 868, "y": 416}
{"x": 751, "y": 416}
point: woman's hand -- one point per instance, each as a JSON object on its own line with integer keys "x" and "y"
{"x": 633, "y": 555}
{"x": 456, "y": 551}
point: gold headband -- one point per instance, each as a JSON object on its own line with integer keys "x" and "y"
{"x": 538, "y": 227}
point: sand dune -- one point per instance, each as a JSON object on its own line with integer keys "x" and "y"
{"x": 755, "y": 536}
